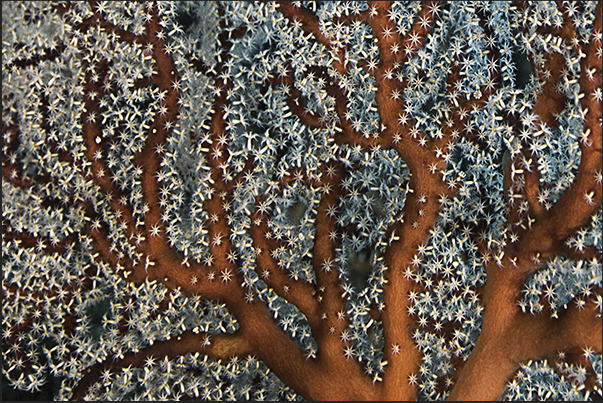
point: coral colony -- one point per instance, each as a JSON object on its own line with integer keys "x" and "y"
{"x": 302, "y": 200}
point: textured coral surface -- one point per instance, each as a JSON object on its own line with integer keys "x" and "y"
{"x": 301, "y": 200}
